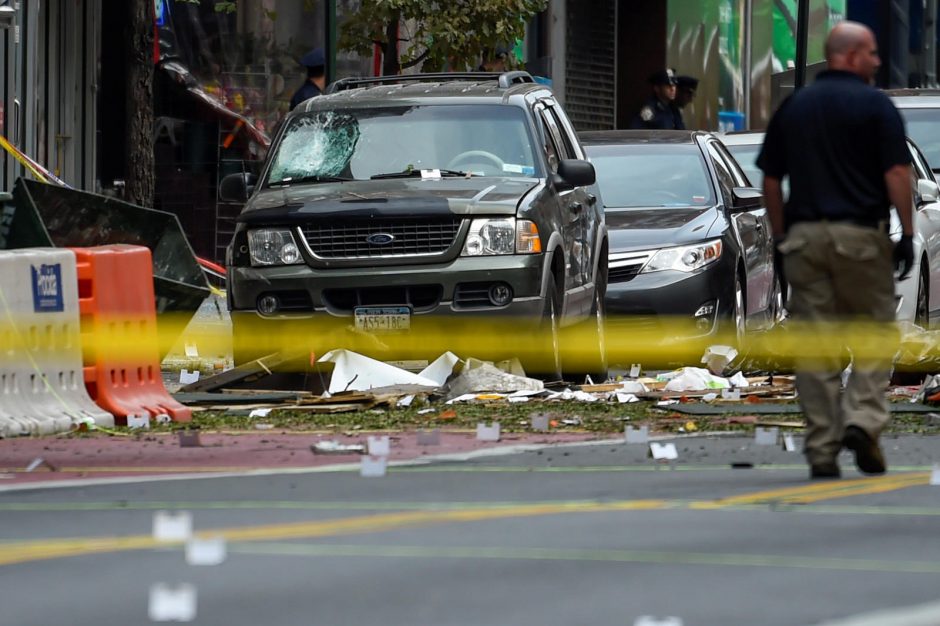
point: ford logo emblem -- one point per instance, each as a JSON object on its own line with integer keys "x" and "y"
{"x": 380, "y": 239}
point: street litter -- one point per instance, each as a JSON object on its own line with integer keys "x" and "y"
{"x": 935, "y": 475}
{"x": 356, "y": 372}
{"x": 335, "y": 447}
{"x": 738, "y": 380}
{"x": 189, "y": 439}
{"x": 41, "y": 462}
{"x": 540, "y": 423}
{"x": 626, "y": 398}
{"x": 260, "y": 412}
{"x": 567, "y": 394}
{"x": 481, "y": 376}
{"x": 142, "y": 421}
{"x": 172, "y": 604}
{"x": 789, "y": 443}
{"x": 635, "y": 370}
{"x": 187, "y": 377}
{"x": 406, "y": 401}
{"x": 717, "y": 358}
{"x": 730, "y": 394}
{"x": 663, "y": 451}
{"x": 379, "y": 446}
{"x": 692, "y": 379}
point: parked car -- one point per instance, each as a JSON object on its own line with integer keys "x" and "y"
{"x": 393, "y": 201}
{"x": 690, "y": 239}
{"x": 918, "y": 295}
{"x": 920, "y": 109}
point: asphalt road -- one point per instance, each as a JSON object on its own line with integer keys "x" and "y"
{"x": 576, "y": 535}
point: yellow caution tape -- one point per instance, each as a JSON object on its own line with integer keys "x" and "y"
{"x": 23, "y": 160}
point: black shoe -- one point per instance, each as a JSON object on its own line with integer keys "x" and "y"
{"x": 868, "y": 455}
{"x": 824, "y": 470}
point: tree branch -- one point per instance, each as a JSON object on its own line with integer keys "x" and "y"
{"x": 421, "y": 57}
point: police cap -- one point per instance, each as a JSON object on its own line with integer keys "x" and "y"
{"x": 314, "y": 58}
{"x": 663, "y": 77}
{"x": 687, "y": 82}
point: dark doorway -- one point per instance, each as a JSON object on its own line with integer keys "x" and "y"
{"x": 641, "y": 50}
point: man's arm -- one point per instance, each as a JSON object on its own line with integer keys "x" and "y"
{"x": 773, "y": 197}
{"x": 898, "y": 182}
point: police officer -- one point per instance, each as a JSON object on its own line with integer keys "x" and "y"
{"x": 660, "y": 111}
{"x": 841, "y": 142}
{"x": 315, "y": 62}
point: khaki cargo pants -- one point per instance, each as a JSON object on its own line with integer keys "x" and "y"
{"x": 842, "y": 299}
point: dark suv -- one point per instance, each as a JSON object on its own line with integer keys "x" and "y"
{"x": 447, "y": 205}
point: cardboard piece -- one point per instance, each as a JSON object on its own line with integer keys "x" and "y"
{"x": 379, "y": 446}
{"x": 134, "y": 421}
{"x": 639, "y": 435}
{"x": 635, "y": 370}
{"x": 766, "y": 436}
{"x": 187, "y": 377}
{"x": 205, "y": 552}
{"x": 355, "y": 372}
{"x": 373, "y": 466}
{"x": 663, "y": 451}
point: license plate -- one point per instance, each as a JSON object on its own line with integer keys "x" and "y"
{"x": 382, "y": 318}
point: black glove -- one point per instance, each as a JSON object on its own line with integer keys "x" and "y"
{"x": 904, "y": 255}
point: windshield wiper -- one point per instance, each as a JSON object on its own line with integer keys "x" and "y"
{"x": 309, "y": 179}
{"x": 416, "y": 173}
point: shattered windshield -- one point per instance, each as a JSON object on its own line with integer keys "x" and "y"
{"x": 644, "y": 175}
{"x": 481, "y": 140}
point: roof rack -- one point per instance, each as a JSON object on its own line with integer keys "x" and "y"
{"x": 504, "y": 79}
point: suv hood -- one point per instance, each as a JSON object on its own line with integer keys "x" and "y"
{"x": 390, "y": 197}
{"x": 646, "y": 228}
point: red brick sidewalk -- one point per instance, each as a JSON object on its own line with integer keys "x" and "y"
{"x": 156, "y": 454}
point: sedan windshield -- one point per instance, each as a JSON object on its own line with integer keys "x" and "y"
{"x": 923, "y": 126}
{"x": 644, "y": 175}
{"x": 359, "y": 144}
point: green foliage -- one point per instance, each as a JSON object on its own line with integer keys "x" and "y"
{"x": 437, "y": 32}
{"x": 221, "y": 6}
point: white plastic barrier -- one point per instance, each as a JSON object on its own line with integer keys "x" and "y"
{"x": 42, "y": 387}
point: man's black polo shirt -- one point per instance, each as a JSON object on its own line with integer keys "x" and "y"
{"x": 835, "y": 139}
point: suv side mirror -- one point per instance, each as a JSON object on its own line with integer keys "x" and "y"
{"x": 746, "y": 198}
{"x": 928, "y": 191}
{"x": 575, "y": 173}
{"x": 237, "y": 187}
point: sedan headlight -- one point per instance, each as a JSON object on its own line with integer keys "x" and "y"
{"x": 273, "y": 246}
{"x": 495, "y": 236}
{"x": 684, "y": 258}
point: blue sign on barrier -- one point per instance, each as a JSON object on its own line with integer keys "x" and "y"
{"x": 47, "y": 288}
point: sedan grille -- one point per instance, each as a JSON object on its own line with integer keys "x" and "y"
{"x": 381, "y": 238}
{"x": 624, "y": 266}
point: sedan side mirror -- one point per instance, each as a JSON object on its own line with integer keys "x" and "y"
{"x": 237, "y": 187}
{"x": 575, "y": 173}
{"x": 746, "y": 198}
{"x": 928, "y": 191}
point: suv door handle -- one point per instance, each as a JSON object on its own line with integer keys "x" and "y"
{"x": 576, "y": 207}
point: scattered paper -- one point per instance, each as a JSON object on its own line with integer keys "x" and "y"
{"x": 935, "y": 475}
{"x": 667, "y": 402}
{"x": 789, "y": 443}
{"x": 540, "y": 423}
{"x": 335, "y": 447}
{"x": 731, "y": 394}
{"x": 664, "y": 451}
{"x": 647, "y": 620}
{"x": 709, "y": 397}
{"x": 739, "y": 380}
{"x": 692, "y": 379}
{"x": 626, "y": 398}
{"x": 406, "y": 401}
{"x": 259, "y": 412}
{"x": 356, "y": 372}
{"x": 635, "y": 370}
{"x": 191, "y": 350}
{"x": 633, "y": 386}
{"x": 517, "y": 399}
{"x": 717, "y": 358}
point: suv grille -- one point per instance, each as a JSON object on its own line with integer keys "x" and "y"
{"x": 404, "y": 237}
{"x": 623, "y": 274}
{"x": 624, "y": 266}
{"x": 419, "y": 297}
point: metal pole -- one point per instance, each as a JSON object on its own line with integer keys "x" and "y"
{"x": 746, "y": 60}
{"x": 802, "y": 33}
{"x": 330, "y": 40}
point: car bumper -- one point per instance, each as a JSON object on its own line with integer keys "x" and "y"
{"x": 672, "y": 305}
{"x": 443, "y": 288}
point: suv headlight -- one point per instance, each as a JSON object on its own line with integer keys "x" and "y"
{"x": 273, "y": 246}
{"x": 494, "y": 236}
{"x": 684, "y": 258}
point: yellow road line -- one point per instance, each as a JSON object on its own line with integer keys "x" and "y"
{"x": 827, "y": 490}
{"x": 21, "y": 552}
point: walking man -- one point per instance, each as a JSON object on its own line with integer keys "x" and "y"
{"x": 842, "y": 143}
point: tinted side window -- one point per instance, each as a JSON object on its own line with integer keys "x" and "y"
{"x": 740, "y": 178}
{"x": 563, "y": 148}
{"x": 565, "y": 132}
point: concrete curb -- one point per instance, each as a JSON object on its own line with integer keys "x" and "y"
{"x": 922, "y": 615}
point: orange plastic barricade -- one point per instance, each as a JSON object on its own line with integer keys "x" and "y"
{"x": 119, "y": 333}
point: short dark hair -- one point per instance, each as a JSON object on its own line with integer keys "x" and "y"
{"x": 316, "y": 71}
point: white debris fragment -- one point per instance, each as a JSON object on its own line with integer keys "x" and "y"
{"x": 172, "y": 527}
{"x": 172, "y": 603}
